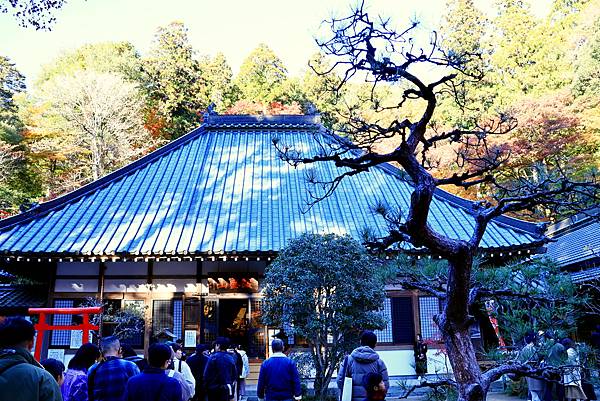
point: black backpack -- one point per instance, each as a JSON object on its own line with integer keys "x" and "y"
{"x": 239, "y": 363}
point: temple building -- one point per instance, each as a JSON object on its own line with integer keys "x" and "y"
{"x": 186, "y": 232}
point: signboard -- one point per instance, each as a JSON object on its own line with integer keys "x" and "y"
{"x": 77, "y": 339}
{"x": 58, "y": 354}
{"x": 189, "y": 339}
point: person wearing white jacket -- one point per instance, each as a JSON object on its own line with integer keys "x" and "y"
{"x": 183, "y": 368}
{"x": 244, "y": 371}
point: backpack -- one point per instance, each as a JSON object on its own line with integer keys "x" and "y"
{"x": 239, "y": 364}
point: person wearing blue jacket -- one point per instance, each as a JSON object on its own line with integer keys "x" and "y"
{"x": 154, "y": 384}
{"x": 220, "y": 373}
{"x": 278, "y": 379}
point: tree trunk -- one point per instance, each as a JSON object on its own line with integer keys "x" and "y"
{"x": 455, "y": 325}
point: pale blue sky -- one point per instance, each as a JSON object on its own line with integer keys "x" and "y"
{"x": 234, "y": 27}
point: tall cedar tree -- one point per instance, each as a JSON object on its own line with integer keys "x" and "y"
{"x": 261, "y": 76}
{"x": 173, "y": 81}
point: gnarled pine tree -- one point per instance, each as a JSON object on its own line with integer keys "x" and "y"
{"x": 371, "y": 49}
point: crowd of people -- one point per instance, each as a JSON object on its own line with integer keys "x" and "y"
{"x": 114, "y": 372}
{"x": 561, "y": 375}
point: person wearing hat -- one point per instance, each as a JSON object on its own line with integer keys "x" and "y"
{"x": 220, "y": 374}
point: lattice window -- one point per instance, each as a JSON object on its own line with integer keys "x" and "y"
{"x": 256, "y": 347}
{"x": 136, "y": 340}
{"x": 386, "y": 335}
{"x": 192, "y": 312}
{"x": 209, "y": 321}
{"x": 428, "y": 308}
{"x": 178, "y": 318}
{"x": 61, "y": 337}
{"x": 162, "y": 316}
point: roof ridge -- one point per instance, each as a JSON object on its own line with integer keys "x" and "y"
{"x": 574, "y": 222}
{"x": 227, "y": 120}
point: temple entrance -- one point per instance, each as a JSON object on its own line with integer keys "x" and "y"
{"x": 233, "y": 320}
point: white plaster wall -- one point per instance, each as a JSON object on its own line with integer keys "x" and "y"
{"x": 173, "y": 268}
{"x": 174, "y": 285}
{"x": 402, "y": 362}
{"x": 126, "y": 269}
{"x": 76, "y": 285}
{"x": 125, "y": 285}
{"x": 77, "y": 269}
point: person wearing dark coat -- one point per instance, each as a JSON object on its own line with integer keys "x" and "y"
{"x": 197, "y": 363}
{"x": 153, "y": 384}
{"x": 278, "y": 379}
{"x": 529, "y": 355}
{"x": 220, "y": 374}
{"x": 129, "y": 354}
{"x": 22, "y": 378}
{"x": 361, "y": 361}
{"x": 556, "y": 356}
{"x": 75, "y": 386}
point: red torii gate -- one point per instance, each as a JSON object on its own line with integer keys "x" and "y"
{"x": 42, "y": 326}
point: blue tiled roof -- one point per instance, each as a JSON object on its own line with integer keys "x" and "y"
{"x": 575, "y": 240}
{"x": 22, "y": 297}
{"x": 222, "y": 188}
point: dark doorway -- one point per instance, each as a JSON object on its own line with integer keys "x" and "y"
{"x": 233, "y": 320}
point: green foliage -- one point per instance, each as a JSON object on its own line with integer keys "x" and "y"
{"x": 106, "y": 57}
{"x": 525, "y": 297}
{"x": 261, "y": 76}
{"x": 320, "y": 90}
{"x": 125, "y": 322}
{"x": 11, "y": 83}
{"x": 325, "y": 288}
{"x": 17, "y": 184}
{"x": 173, "y": 81}
{"x": 546, "y": 298}
{"x": 463, "y": 36}
{"x": 587, "y": 70}
{"x": 219, "y": 87}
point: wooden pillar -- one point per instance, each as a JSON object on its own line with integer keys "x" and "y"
{"x": 148, "y": 304}
{"x": 101, "y": 274}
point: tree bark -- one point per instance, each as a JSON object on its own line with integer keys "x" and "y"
{"x": 455, "y": 324}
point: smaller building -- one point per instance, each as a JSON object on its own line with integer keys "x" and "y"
{"x": 575, "y": 246}
{"x": 16, "y": 299}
